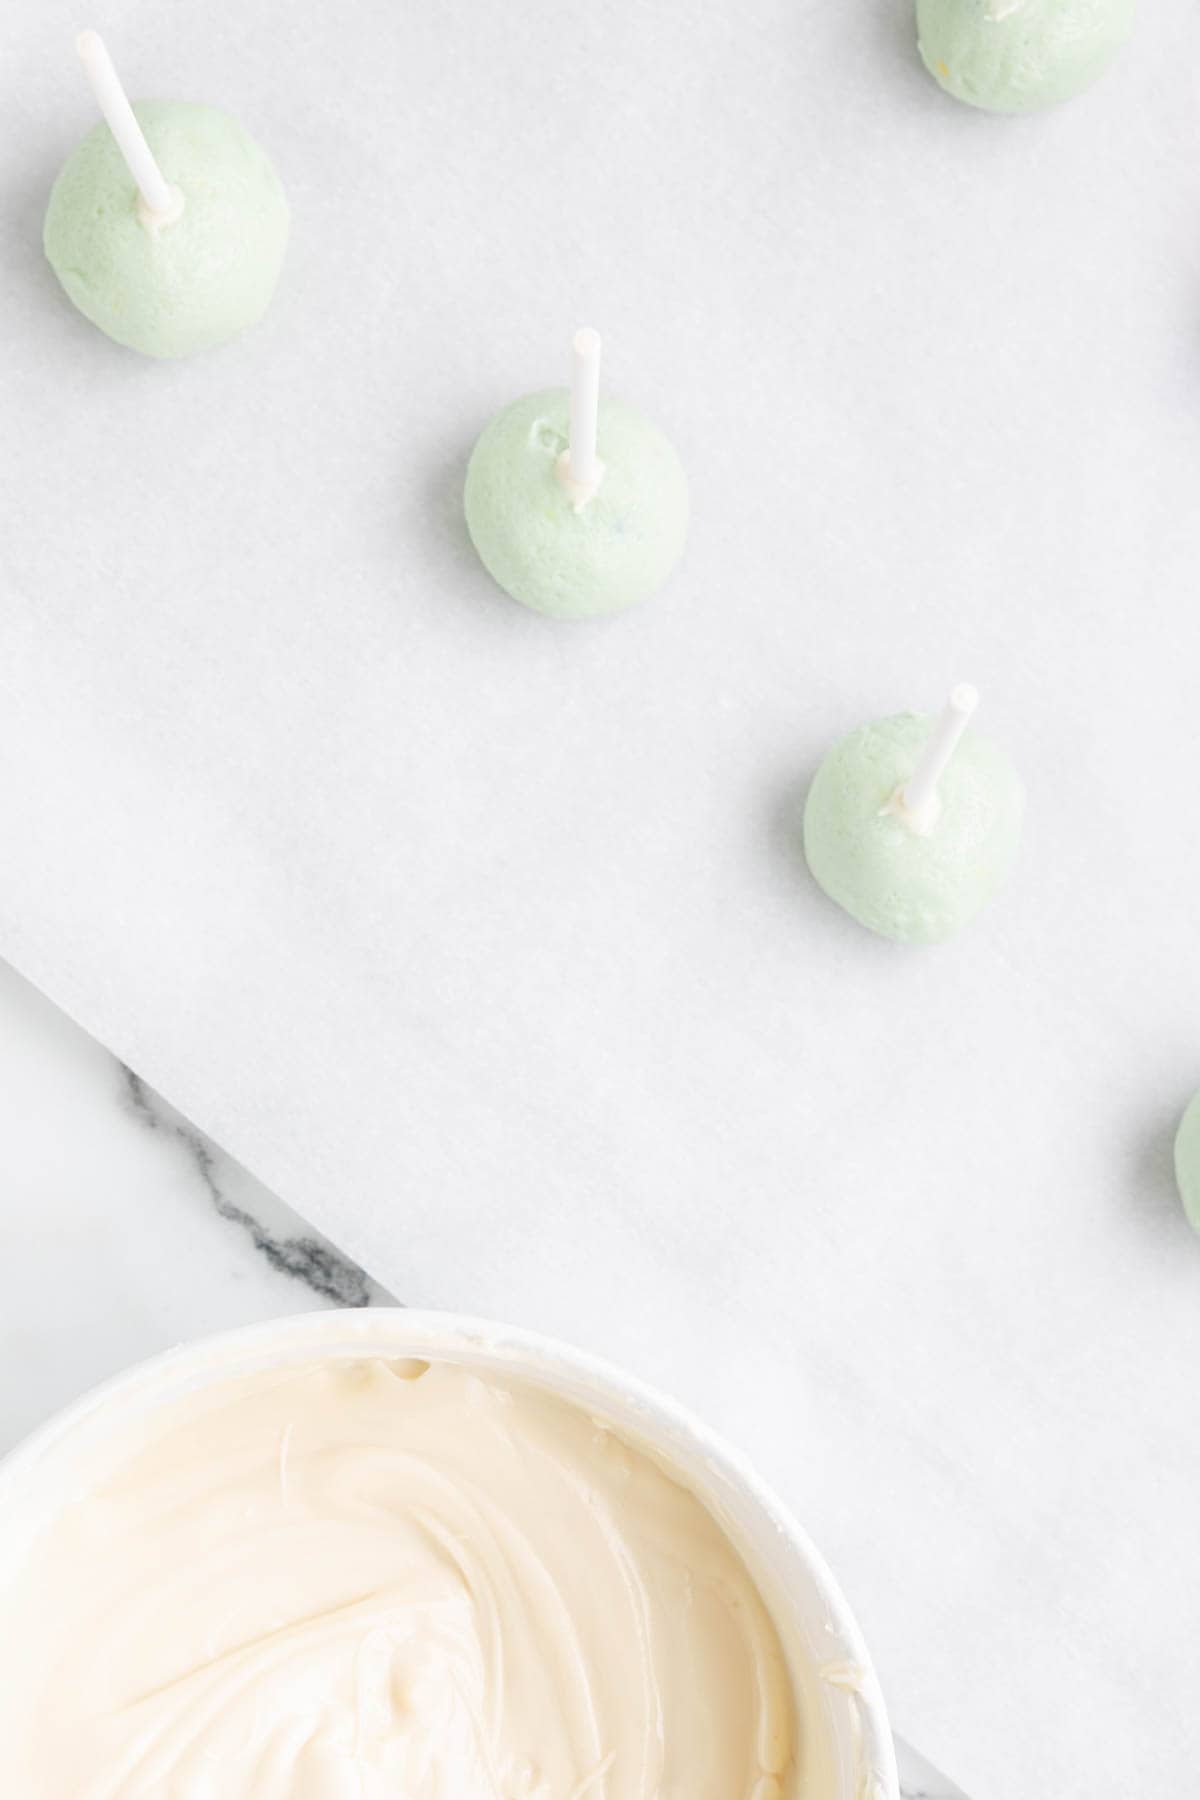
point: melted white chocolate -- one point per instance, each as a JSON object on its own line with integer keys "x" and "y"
{"x": 347, "y": 1581}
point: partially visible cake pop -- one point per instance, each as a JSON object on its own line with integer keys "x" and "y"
{"x": 1014, "y": 56}
{"x": 1187, "y": 1162}
{"x": 577, "y": 506}
{"x": 912, "y": 823}
{"x": 167, "y": 226}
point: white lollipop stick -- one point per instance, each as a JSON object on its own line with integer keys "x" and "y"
{"x": 917, "y": 801}
{"x": 579, "y": 468}
{"x": 161, "y": 200}
{"x": 585, "y": 407}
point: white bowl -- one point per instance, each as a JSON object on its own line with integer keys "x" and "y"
{"x": 847, "y": 1749}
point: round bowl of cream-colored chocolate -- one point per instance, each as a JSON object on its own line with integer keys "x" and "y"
{"x": 393, "y": 1553}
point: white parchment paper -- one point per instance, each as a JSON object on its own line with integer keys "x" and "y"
{"x": 487, "y": 942}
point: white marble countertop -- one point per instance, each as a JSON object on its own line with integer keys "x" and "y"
{"x": 126, "y": 1231}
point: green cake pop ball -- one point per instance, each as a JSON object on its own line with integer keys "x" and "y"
{"x": 1187, "y": 1162}
{"x": 915, "y": 874}
{"x": 575, "y": 562}
{"x": 1013, "y": 56}
{"x": 170, "y": 287}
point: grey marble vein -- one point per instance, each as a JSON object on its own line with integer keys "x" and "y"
{"x": 305, "y": 1256}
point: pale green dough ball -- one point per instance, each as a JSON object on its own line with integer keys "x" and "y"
{"x": 1187, "y": 1162}
{"x": 1016, "y": 55}
{"x": 575, "y": 565}
{"x": 913, "y": 888}
{"x": 170, "y": 289}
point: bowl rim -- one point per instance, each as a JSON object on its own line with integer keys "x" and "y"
{"x": 443, "y": 1333}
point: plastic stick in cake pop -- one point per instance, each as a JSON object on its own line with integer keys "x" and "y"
{"x": 918, "y": 801}
{"x": 579, "y": 467}
{"x": 161, "y": 201}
